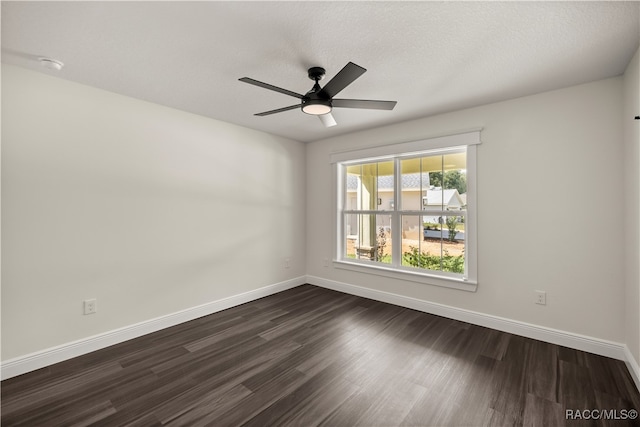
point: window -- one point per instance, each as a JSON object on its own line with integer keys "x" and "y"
{"x": 408, "y": 211}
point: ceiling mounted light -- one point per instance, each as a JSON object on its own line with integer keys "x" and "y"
{"x": 51, "y": 64}
{"x": 316, "y": 107}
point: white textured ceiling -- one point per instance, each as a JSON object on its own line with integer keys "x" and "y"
{"x": 431, "y": 57}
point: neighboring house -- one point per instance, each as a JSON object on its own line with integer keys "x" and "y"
{"x": 417, "y": 194}
{"x": 439, "y": 200}
{"x": 464, "y": 199}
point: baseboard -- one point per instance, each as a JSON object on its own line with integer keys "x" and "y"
{"x": 554, "y": 336}
{"x": 632, "y": 365}
{"x": 31, "y": 362}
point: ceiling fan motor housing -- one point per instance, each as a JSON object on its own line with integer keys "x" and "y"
{"x": 313, "y": 102}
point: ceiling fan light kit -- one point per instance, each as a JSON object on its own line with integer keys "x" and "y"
{"x": 319, "y": 101}
{"x": 316, "y": 107}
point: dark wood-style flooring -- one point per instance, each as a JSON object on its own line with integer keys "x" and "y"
{"x": 311, "y": 356}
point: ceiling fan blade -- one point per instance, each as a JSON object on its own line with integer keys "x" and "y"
{"x": 344, "y": 78}
{"x": 270, "y": 87}
{"x": 279, "y": 110}
{"x": 364, "y": 103}
{"x": 327, "y": 120}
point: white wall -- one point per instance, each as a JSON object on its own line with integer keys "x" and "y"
{"x": 631, "y": 90}
{"x": 148, "y": 209}
{"x": 560, "y": 149}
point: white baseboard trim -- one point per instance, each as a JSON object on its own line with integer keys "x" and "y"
{"x": 31, "y": 362}
{"x": 632, "y": 365}
{"x": 576, "y": 341}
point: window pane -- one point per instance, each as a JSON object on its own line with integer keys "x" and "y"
{"x": 410, "y": 184}
{"x": 384, "y": 242}
{"x": 385, "y": 186}
{"x": 444, "y": 244}
{"x": 411, "y": 240}
{"x": 368, "y": 237}
{"x": 434, "y": 198}
{"x": 433, "y": 245}
{"x": 370, "y": 186}
{"x": 455, "y": 181}
{"x": 352, "y": 183}
{"x": 351, "y": 235}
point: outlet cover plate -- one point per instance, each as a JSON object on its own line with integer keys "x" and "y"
{"x": 541, "y": 297}
{"x": 90, "y": 306}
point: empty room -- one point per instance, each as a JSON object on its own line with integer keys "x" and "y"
{"x": 454, "y": 240}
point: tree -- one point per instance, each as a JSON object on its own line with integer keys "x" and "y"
{"x": 455, "y": 179}
{"x": 452, "y": 179}
{"x": 435, "y": 179}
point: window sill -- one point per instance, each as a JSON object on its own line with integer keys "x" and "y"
{"x": 427, "y": 279}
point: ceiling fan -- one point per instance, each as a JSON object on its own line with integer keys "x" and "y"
{"x": 319, "y": 101}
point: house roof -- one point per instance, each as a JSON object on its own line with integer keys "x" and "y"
{"x": 410, "y": 181}
{"x": 439, "y": 197}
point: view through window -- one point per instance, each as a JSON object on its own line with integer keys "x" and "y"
{"x": 407, "y": 212}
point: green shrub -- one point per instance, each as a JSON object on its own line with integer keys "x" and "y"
{"x": 431, "y": 225}
{"x": 451, "y": 263}
{"x": 452, "y": 223}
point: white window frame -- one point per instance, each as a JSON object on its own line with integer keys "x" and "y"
{"x": 339, "y": 160}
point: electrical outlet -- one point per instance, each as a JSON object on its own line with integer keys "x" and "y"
{"x": 541, "y": 297}
{"x": 326, "y": 262}
{"x": 287, "y": 262}
{"x": 90, "y": 306}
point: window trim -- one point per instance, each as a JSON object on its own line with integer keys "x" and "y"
{"x": 467, "y": 140}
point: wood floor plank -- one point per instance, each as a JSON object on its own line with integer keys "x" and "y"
{"x": 317, "y": 407}
{"x": 230, "y": 334}
{"x": 63, "y": 393}
{"x": 275, "y": 389}
{"x": 134, "y": 407}
{"x": 542, "y": 371}
{"x": 575, "y": 388}
{"x": 390, "y": 402}
{"x": 610, "y": 377}
{"x": 312, "y": 356}
{"x": 298, "y": 319}
{"x": 539, "y": 412}
{"x": 322, "y": 386}
{"x": 495, "y": 344}
{"x": 510, "y": 389}
{"x": 203, "y": 410}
